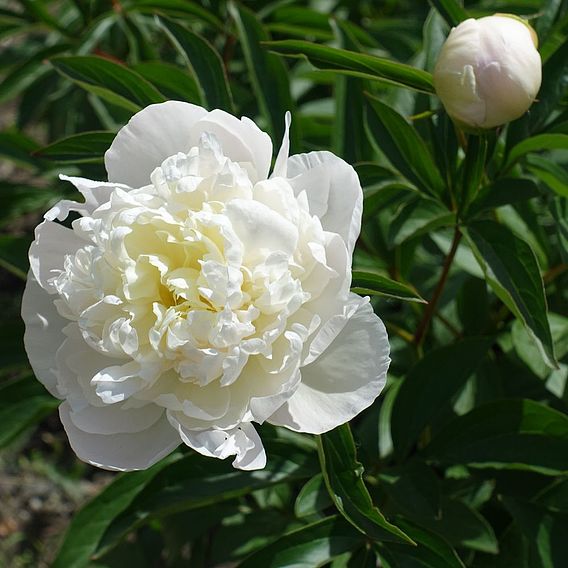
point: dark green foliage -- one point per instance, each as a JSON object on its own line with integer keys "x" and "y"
{"x": 463, "y": 459}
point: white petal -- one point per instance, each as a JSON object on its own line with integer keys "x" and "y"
{"x": 43, "y": 334}
{"x": 241, "y": 140}
{"x": 332, "y": 328}
{"x": 95, "y": 192}
{"x": 242, "y": 442}
{"x": 333, "y": 190}
{"x": 121, "y": 452}
{"x": 344, "y": 380}
{"x": 281, "y": 164}
{"x": 115, "y": 419}
{"x": 47, "y": 253}
{"x": 260, "y": 229}
{"x": 153, "y": 134}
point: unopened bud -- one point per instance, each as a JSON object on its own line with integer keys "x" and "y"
{"x": 489, "y": 71}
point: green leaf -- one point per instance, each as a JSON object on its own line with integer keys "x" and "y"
{"x": 507, "y": 434}
{"x": 12, "y": 354}
{"x": 268, "y": 73}
{"x": 23, "y": 403}
{"x": 79, "y": 148}
{"x": 545, "y": 532}
{"x": 18, "y": 148}
{"x": 431, "y": 384}
{"x": 552, "y": 90}
{"x": 378, "y": 198}
{"x": 537, "y": 143}
{"x": 204, "y": 64}
{"x": 550, "y": 173}
{"x": 312, "y": 498}
{"x": 464, "y": 527}
{"x": 473, "y": 169}
{"x": 14, "y": 254}
{"x": 111, "y": 81}
{"x": 404, "y": 148}
{"x": 375, "y": 284}
{"x": 451, "y": 10}
{"x": 171, "y": 81}
{"x": 503, "y": 191}
{"x": 17, "y": 200}
{"x": 512, "y": 270}
{"x": 528, "y": 351}
{"x": 175, "y": 8}
{"x": 555, "y": 496}
{"x": 23, "y": 74}
{"x": 431, "y": 550}
{"x": 312, "y": 545}
{"x": 90, "y": 523}
{"x": 414, "y": 488}
{"x": 349, "y": 139}
{"x": 369, "y": 66}
{"x": 196, "y": 481}
{"x": 418, "y": 217}
{"x": 343, "y": 476}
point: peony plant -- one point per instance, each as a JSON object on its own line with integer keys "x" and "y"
{"x": 196, "y": 293}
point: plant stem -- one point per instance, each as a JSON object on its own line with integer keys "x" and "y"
{"x": 431, "y": 307}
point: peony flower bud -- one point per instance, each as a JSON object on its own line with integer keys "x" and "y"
{"x": 489, "y": 71}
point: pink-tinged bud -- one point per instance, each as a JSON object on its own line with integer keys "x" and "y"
{"x": 489, "y": 71}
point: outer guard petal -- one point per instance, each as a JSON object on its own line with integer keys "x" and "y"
{"x": 121, "y": 452}
{"x": 153, "y": 134}
{"x": 333, "y": 190}
{"x": 44, "y": 333}
{"x": 242, "y": 442}
{"x": 344, "y": 380}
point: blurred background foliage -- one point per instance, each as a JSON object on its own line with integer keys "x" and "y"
{"x": 463, "y": 459}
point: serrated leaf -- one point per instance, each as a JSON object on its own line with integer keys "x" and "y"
{"x": 431, "y": 384}
{"x": 111, "y": 81}
{"x": 512, "y": 270}
{"x": 404, "y": 148}
{"x": 375, "y": 284}
{"x": 507, "y": 434}
{"x": 370, "y": 66}
{"x": 79, "y": 148}
{"x": 204, "y": 63}
{"x": 343, "y": 476}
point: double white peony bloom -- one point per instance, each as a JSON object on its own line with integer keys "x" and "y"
{"x": 194, "y": 294}
{"x": 489, "y": 71}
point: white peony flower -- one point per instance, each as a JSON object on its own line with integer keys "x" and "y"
{"x": 195, "y": 294}
{"x": 489, "y": 71}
